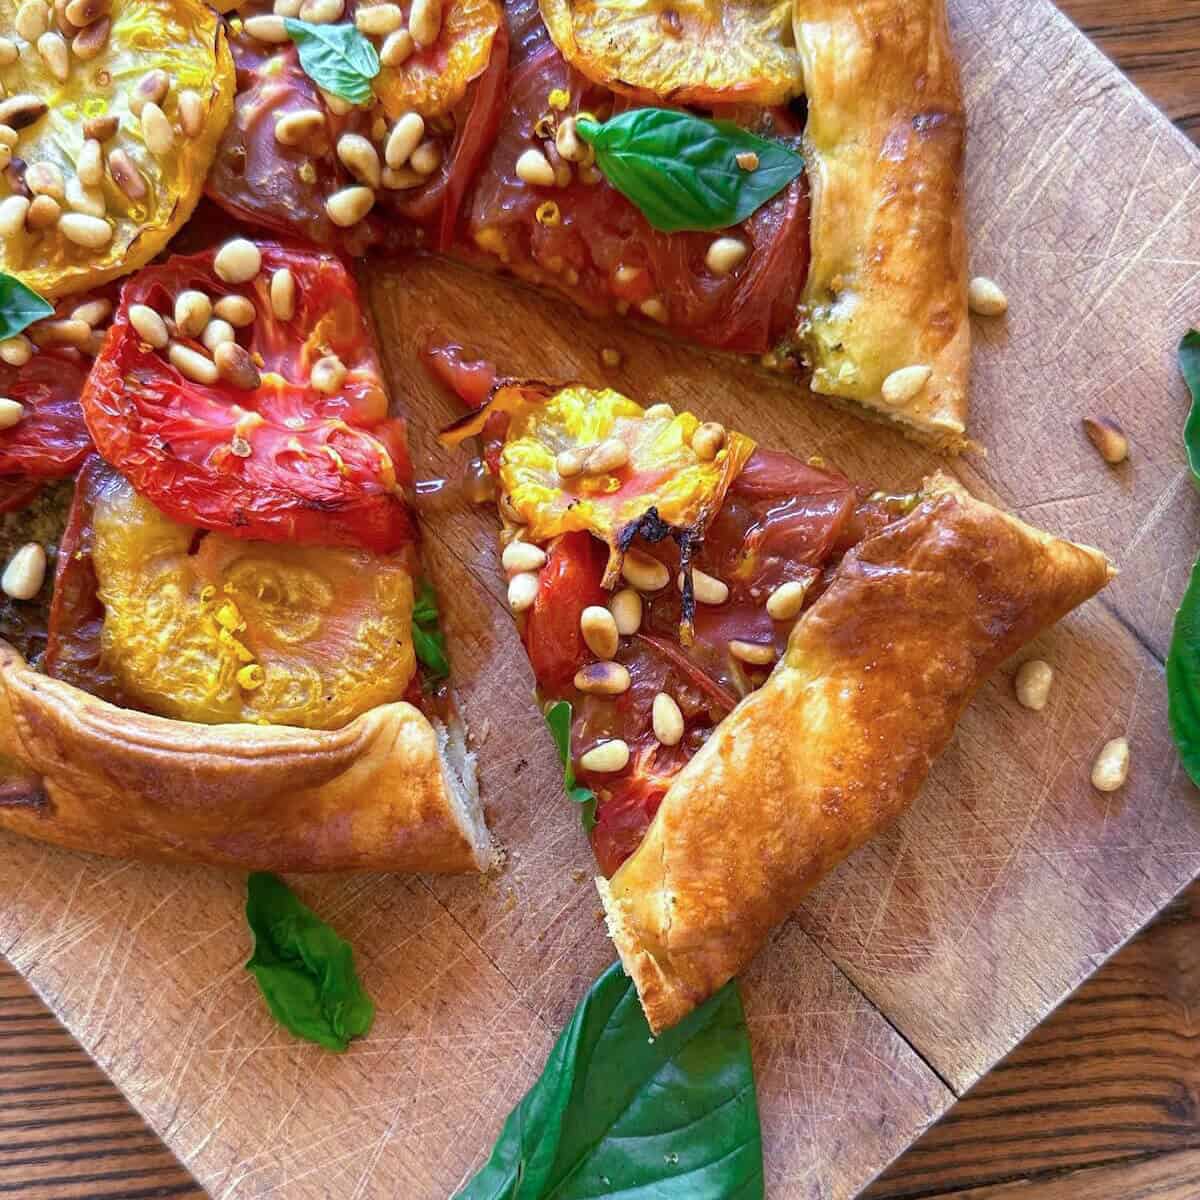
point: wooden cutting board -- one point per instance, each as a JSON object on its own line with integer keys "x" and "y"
{"x": 931, "y": 952}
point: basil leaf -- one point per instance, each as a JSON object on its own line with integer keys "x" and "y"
{"x": 429, "y": 641}
{"x": 558, "y": 717}
{"x": 618, "y": 1112}
{"x": 19, "y": 306}
{"x": 1183, "y": 659}
{"x": 304, "y": 970}
{"x": 682, "y": 171}
{"x": 337, "y": 58}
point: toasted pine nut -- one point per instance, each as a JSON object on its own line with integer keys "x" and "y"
{"x": 216, "y": 333}
{"x": 191, "y": 113}
{"x": 786, "y": 601}
{"x": 43, "y": 212}
{"x": 81, "y": 13}
{"x": 1032, "y": 683}
{"x": 1108, "y": 437}
{"x": 148, "y": 325}
{"x": 268, "y": 28}
{"x": 16, "y": 351}
{"x": 985, "y": 297}
{"x": 45, "y": 179}
{"x": 724, "y": 254}
{"x": 328, "y": 374}
{"x": 25, "y": 573}
{"x": 599, "y": 629}
{"x": 706, "y": 588}
{"x": 56, "y": 56}
{"x": 32, "y": 20}
{"x": 667, "y": 720}
{"x": 13, "y": 210}
{"x": 297, "y": 126}
{"x": 519, "y": 557}
{"x": 90, "y": 164}
{"x": 19, "y": 112}
{"x": 904, "y": 384}
{"x": 626, "y": 608}
{"x": 379, "y": 20}
{"x": 336, "y": 104}
{"x": 287, "y": 8}
{"x": 754, "y": 653}
{"x": 644, "y": 573}
{"x": 522, "y": 591}
{"x": 283, "y": 294}
{"x": 425, "y": 21}
{"x": 61, "y": 332}
{"x": 1111, "y": 767}
{"x": 608, "y": 757}
{"x": 610, "y": 455}
{"x": 11, "y": 411}
{"x": 321, "y": 12}
{"x": 157, "y": 131}
{"x": 126, "y": 175}
{"x": 8, "y": 52}
{"x": 426, "y": 158}
{"x": 360, "y": 158}
{"x": 238, "y": 261}
{"x": 82, "y": 199}
{"x": 152, "y": 88}
{"x": 192, "y": 364}
{"x": 534, "y": 169}
{"x": 235, "y": 366}
{"x": 402, "y": 178}
{"x": 94, "y": 312}
{"x": 192, "y": 311}
{"x": 237, "y": 310}
{"x": 405, "y": 137}
{"x": 655, "y": 309}
{"x": 350, "y": 205}
{"x": 708, "y": 440}
{"x": 85, "y": 230}
{"x": 603, "y": 679}
{"x": 88, "y": 43}
{"x": 570, "y": 462}
{"x": 100, "y": 129}
{"x": 397, "y": 48}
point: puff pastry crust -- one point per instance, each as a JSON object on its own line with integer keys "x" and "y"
{"x": 389, "y": 791}
{"x": 884, "y": 143}
{"x": 838, "y": 741}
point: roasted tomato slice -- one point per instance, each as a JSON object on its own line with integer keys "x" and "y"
{"x": 116, "y": 131}
{"x": 290, "y": 441}
{"x": 156, "y": 615}
{"x": 693, "y": 52}
{"x": 587, "y": 240}
{"x": 16, "y": 492}
{"x": 291, "y": 147}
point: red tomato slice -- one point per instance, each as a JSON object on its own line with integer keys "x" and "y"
{"x": 16, "y": 492}
{"x": 281, "y": 462}
{"x": 51, "y": 439}
{"x": 470, "y": 379}
{"x": 600, "y": 250}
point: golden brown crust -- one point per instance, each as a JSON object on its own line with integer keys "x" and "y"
{"x": 378, "y": 794}
{"x": 838, "y": 741}
{"x": 887, "y": 285}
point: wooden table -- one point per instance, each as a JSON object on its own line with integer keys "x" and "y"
{"x": 1102, "y": 1101}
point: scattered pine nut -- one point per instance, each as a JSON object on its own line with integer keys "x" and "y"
{"x": 603, "y": 679}
{"x": 522, "y": 591}
{"x": 626, "y": 608}
{"x": 607, "y": 757}
{"x": 786, "y": 601}
{"x": 755, "y": 653}
{"x": 192, "y": 364}
{"x": 644, "y": 573}
{"x": 1108, "y": 437}
{"x": 11, "y": 412}
{"x": 519, "y": 557}
{"x": 237, "y": 310}
{"x": 534, "y": 169}
{"x": 25, "y": 573}
{"x": 599, "y": 629}
{"x": 985, "y": 298}
{"x": 192, "y": 312}
{"x": 1032, "y": 683}
{"x": 904, "y": 384}
{"x": 237, "y": 261}
{"x": 350, "y": 205}
{"x": 93, "y": 232}
{"x": 148, "y": 325}
{"x": 667, "y": 720}
{"x": 708, "y": 440}
{"x": 283, "y": 295}
{"x": 1111, "y": 767}
{"x": 724, "y": 254}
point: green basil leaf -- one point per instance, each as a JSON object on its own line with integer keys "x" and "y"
{"x": 336, "y": 58}
{"x": 19, "y": 306}
{"x": 558, "y": 717}
{"x": 429, "y": 642}
{"x": 682, "y": 171}
{"x": 304, "y": 970}
{"x": 618, "y": 1112}
{"x": 1189, "y": 364}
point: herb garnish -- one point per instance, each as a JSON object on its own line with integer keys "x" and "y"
{"x": 558, "y": 717}
{"x": 337, "y": 58}
{"x": 429, "y": 641}
{"x": 304, "y": 970}
{"x": 683, "y": 171}
{"x": 19, "y": 306}
{"x": 618, "y": 1112}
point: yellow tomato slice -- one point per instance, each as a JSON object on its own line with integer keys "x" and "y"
{"x": 265, "y": 632}
{"x": 688, "y": 52}
{"x": 162, "y": 169}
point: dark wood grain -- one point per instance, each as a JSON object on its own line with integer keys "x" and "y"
{"x": 1102, "y": 1101}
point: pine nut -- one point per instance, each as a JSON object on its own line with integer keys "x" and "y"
{"x": 724, "y": 254}
{"x": 425, "y": 21}
{"x": 296, "y": 127}
{"x": 607, "y": 757}
{"x": 82, "y": 199}
{"x": 350, "y": 205}
{"x": 569, "y": 463}
{"x": 1111, "y": 767}
{"x": 16, "y": 351}
{"x": 708, "y": 440}
{"x": 126, "y": 175}
{"x": 1032, "y": 683}
{"x": 90, "y": 164}
{"x": 32, "y": 20}
{"x": 379, "y": 20}
{"x": 287, "y": 8}
{"x": 19, "y": 112}
{"x": 519, "y": 557}
{"x": 88, "y": 43}
{"x": 268, "y": 28}
{"x": 659, "y": 412}
{"x": 191, "y": 364}
{"x": 706, "y": 588}
{"x": 644, "y": 573}
{"x": 328, "y": 374}
{"x": 603, "y": 679}
{"x": 1108, "y": 437}
{"x": 402, "y": 178}
{"x": 237, "y": 310}
{"x": 283, "y": 294}
{"x": 786, "y": 601}
{"x": 93, "y": 312}
{"x": 321, "y": 12}
{"x": 61, "y": 332}
{"x": 985, "y": 297}
{"x": 567, "y": 142}
{"x": 903, "y": 385}
{"x": 534, "y": 168}
{"x": 626, "y": 608}
{"x": 55, "y": 55}
{"x": 148, "y": 325}
{"x": 610, "y": 455}
{"x": 8, "y": 52}
{"x": 397, "y": 49}
{"x": 191, "y": 113}
{"x": 667, "y": 720}
{"x": 157, "y": 131}
{"x": 192, "y": 311}
{"x": 45, "y": 179}
{"x": 599, "y": 630}
{"x": 336, "y": 104}
{"x": 522, "y": 591}
{"x": 152, "y": 88}
{"x": 426, "y": 158}
{"x": 215, "y": 334}
{"x": 238, "y": 261}
{"x": 11, "y": 411}
{"x": 235, "y": 366}
{"x": 405, "y": 137}
{"x": 754, "y": 653}
{"x": 43, "y": 212}
{"x": 25, "y": 573}
{"x": 359, "y": 157}
{"x": 81, "y": 13}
